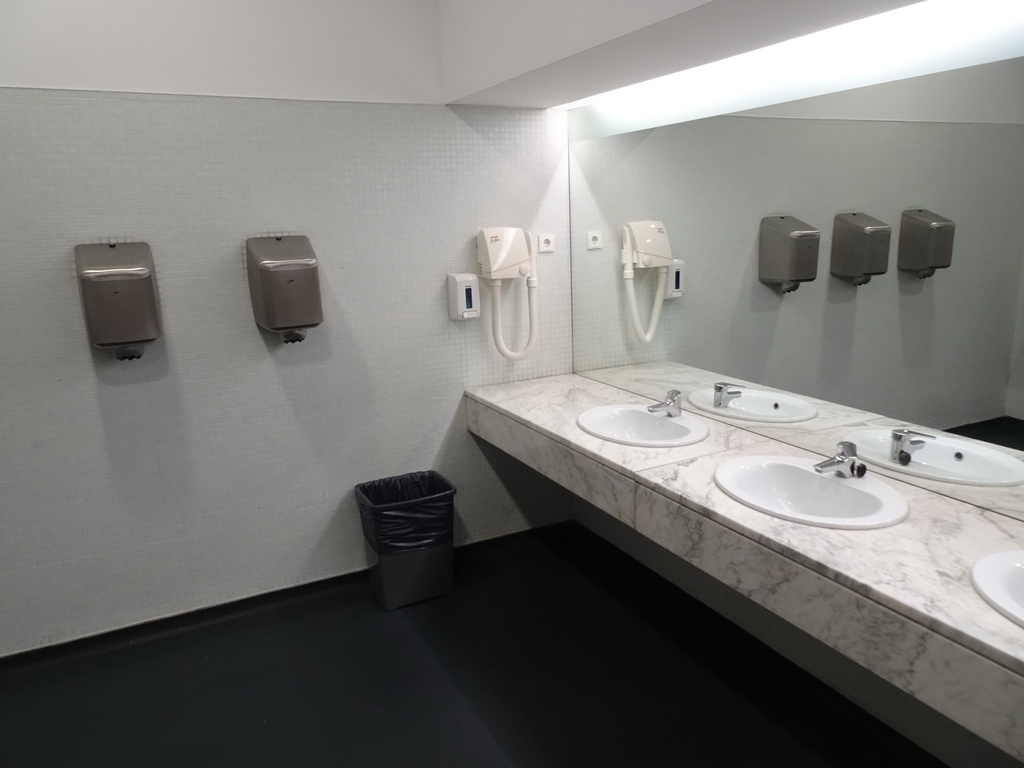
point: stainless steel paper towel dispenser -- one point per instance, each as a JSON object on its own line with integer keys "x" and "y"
{"x": 787, "y": 252}
{"x": 284, "y": 283}
{"x": 118, "y": 291}
{"x": 860, "y": 247}
{"x": 926, "y": 242}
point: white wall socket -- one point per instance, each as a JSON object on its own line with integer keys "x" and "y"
{"x": 593, "y": 241}
{"x": 545, "y": 243}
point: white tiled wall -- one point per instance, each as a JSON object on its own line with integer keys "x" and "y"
{"x": 935, "y": 352}
{"x": 222, "y": 463}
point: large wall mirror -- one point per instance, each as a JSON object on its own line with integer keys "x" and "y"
{"x": 939, "y": 352}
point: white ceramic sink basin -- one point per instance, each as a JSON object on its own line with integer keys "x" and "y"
{"x": 941, "y": 457}
{"x": 635, "y": 425}
{"x": 999, "y": 578}
{"x": 790, "y": 488}
{"x": 756, "y": 405}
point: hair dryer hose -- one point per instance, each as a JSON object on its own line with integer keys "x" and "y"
{"x": 499, "y": 341}
{"x": 659, "y": 298}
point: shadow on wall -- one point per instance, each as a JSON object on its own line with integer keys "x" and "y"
{"x": 143, "y": 424}
{"x": 320, "y": 398}
{"x": 529, "y": 497}
{"x": 752, "y": 342}
{"x": 837, "y": 334}
{"x": 542, "y": 501}
{"x": 457, "y": 458}
{"x": 318, "y": 402}
{"x": 341, "y": 538}
{"x": 916, "y": 318}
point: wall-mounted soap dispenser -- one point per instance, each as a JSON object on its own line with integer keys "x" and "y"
{"x": 284, "y": 283}
{"x": 675, "y": 282}
{"x": 118, "y": 290}
{"x": 860, "y": 247}
{"x": 787, "y": 252}
{"x": 463, "y": 296}
{"x": 926, "y": 242}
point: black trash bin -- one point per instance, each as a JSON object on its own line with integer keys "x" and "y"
{"x": 408, "y": 521}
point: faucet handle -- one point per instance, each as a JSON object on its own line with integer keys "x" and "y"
{"x": 724, "y": 392}
{"x": 846, "y": 450}
{"x": 669, "y": 406}
{"x": 844, "y": 463}
{"x": 903, "y": 443}
{"x": 902, "y": 433}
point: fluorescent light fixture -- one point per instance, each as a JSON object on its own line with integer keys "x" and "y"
{"x": 920, "y": 39}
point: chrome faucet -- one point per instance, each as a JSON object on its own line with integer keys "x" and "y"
{"x": 844, "y": 463}
{"x": 670, "y": 405}
{"x": 724, "y": 392}
{"x": 905, "y": 442}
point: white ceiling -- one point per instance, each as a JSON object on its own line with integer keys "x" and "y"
{"x": 532, "y": 53}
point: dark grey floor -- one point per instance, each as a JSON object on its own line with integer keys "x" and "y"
{"x": 554, "y": 650}
{"x": 1004, "y": 431}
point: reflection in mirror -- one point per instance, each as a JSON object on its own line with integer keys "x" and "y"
{"x": 938, "y": 352}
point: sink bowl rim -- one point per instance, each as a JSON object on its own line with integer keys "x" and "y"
{"x": 936, "y": 475}
{"x": 894, "y": 504}
{"x": 985, "y": 578}
{"x": 696, "y": 398}
{"x": 698, "y": 430}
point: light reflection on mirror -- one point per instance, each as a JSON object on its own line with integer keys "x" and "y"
{"x": 907, "y": 42}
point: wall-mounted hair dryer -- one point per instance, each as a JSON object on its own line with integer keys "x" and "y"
{"x": 506, "y": 253}
{"x": 645, "y": 244}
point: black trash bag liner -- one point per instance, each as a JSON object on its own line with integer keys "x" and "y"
{"x": 407, "y": 512}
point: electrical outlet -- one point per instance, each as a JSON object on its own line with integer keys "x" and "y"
{"x": 545, "y": 243}
{"x": 593, "y": 241}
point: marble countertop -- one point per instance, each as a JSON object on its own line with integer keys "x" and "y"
{"x": 655, "y": 379}
{"x": 551, "y": 405}
{"x": 919, "y": 568}
{"x": 819, "y": 435}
